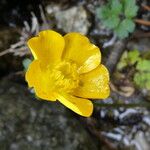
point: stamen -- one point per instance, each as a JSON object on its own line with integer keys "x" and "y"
{"x": 64, "y": 76}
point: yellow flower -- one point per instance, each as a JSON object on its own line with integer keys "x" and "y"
{"x": 67, "y": 68}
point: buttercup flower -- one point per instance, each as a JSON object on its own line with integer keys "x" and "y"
{"x": 67, "y": 68}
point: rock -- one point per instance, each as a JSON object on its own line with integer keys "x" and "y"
{"x": 141, "y": 141}
{"x": 73, "y": 19}
{"x": 30, "y": 124}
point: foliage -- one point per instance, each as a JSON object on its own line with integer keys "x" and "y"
{"x": 142, "y": 76}
{"x": 118, "y": 15}
{"x": 128, "y": 59}
{"x": 26, "y": 62}
{"x": 142, "y": 67}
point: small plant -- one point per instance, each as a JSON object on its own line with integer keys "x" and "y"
{"x": 129, "y": 59}
{"x": 141, "y": 76}
{"x": 118, "y": 15}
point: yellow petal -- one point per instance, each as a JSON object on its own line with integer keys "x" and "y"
{"x": 37, "y": 79}
{"x": 48, "y": 46}
{"x": 79, "y": 49}
{"x": 83, "y": 107}
{"x": 94, "y": 84}
{"x": 33, "y": 74}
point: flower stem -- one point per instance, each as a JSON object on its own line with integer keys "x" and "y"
{"x": 117, "y": 105}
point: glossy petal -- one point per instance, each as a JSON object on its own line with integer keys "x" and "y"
{"x": 33, "y": 73}
{"x": 83, "y": 107}
{"x": 37, "y": 79}
{"x": 79, "y": 49}
{"x": 48, "y": 46}
{"x": 68, "y": 69}
{"x": 94, "y": 84}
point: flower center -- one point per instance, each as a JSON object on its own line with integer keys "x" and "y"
{"x": 64, "y": 76}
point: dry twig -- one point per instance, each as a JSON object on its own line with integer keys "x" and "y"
{"x": 142, "y": 22}
{"x": 146, "y": 7}
{"x": 20, "y": 48}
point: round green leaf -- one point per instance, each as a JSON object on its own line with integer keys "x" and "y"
{"x": 130, "y": 8}
{"x": 125, "y": 27}
{"x": 112, "y": 22}
{"x": 116, "y": 7}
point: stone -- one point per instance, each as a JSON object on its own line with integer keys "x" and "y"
{"x": 73, "y": 19}
{"x": 30, "y": 124}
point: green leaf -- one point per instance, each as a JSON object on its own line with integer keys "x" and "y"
{"x": 133, "y": 57}
{"x": 142, "y": 80}
{"x": 103, "y": 12}
{"x": 142, "y": 77}
{"x": 110, "y": 16}
{"x": 130, "y": 8}
{"x": 123, "y": 63}
{"x": 129, "y": 25}
{"x": 26, "y": 62}
{"x": 120, "y": 31}
{"x": 129, "y": 58}
{"x": 112, "y": 22}
{"x": 143, "y": 65}
{"x": 112, "y": 8}
{"x": 116, "y": 7}
{"x": 124, "y": 28}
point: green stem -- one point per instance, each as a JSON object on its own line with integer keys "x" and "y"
{"x": 117, "y": 105}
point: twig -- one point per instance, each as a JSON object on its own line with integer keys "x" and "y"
{"x": 142, "y": 22}
{"x": 111, "y": 42}
{"x": 115, "y": 55}
{"x": 146, "y": 7}
{"x": 5, "y": 52}
{"x": 20, "y": 48}
{"x": 44, "y": 19}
